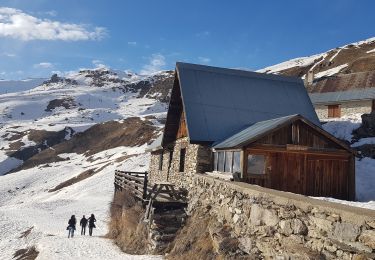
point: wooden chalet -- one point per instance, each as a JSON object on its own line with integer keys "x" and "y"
{"x": 261, "y": 129}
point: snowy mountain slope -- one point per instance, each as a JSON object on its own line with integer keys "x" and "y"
{"x": 56, "y": 118}
{"x": 11, "y": 86}
{"x": 350, "y": 58}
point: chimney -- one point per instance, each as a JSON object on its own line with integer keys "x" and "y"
{"x": 309, "y": 77}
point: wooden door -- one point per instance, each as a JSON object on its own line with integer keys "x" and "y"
{"x": 334, "y": 111}
{"x": 327, "y": 177}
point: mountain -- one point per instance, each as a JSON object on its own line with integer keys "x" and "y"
{"x": 11, "y": 86}
{"x": 347, "y": 67}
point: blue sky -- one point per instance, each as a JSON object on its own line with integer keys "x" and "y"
{"x": 40, "y": 37}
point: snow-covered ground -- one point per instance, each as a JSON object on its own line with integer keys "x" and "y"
{"x": 24, "y": 198}
{"x": 365, "y": 167}
{"x": 26, "y": 203}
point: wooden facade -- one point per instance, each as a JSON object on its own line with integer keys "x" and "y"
{"x": 300, "y": 159}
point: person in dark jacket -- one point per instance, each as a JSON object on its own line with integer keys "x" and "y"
{"x": 83, "y": 224}
{"x": 92, "y": 221}
{"x": 71, "y": 226}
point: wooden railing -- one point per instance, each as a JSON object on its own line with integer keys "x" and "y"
{"x": 134, "y": 182}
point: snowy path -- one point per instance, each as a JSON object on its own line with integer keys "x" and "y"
{"x": 26, "y": 203}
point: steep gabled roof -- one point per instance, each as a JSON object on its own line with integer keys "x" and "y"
{"x": 219, "y": 102}
{"x": 260, "y": 129}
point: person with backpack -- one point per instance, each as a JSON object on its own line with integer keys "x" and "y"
{"x": 71, "y": 226}
{"x": 83, "y": 224}
{"x": 92, "y": 221}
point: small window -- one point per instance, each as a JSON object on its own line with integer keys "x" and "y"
{"x": 228, "y": 161}
{"x": 255, "y": 164}
{"x": 334, "y": 111}
{"x": 182, "y": 159}
{"x": 236, "y": 161}
{"x": 220, "y": 162}
{"x": 170, "y": 159}
{"x": 215, "y": 161}
{"x": 161, "y": 161}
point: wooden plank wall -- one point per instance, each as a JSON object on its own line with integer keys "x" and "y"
{"x": 304, "y": 173}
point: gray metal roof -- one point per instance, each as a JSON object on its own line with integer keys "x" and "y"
{"x": 343, "y": 96}
{"x": 155, "y": 145}
{"x": 219, "y": 102}
{"x": 252, "y": 133}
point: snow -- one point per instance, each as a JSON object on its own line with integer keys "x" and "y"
{"x": 300, "y": 62}
{"x": 335, "y": 55}
{"x": 371, "y": 51}
{"x": 24, "y": 198}
{"x": 25, "y": 202}
{"x": 330, "y": 72}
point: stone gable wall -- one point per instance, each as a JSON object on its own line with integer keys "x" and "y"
{"x": 284, "y": 225}
{"x": 197, "y": 159}
{"x": 347, "y": 108}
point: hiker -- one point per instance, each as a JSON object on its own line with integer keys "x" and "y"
{"x": 71, "y": 226}
{"x": 91, "y": 223}
{"x": 83, "y": 224}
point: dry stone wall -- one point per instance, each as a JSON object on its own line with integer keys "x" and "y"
{"x": 274, "y": 224}
{"x": 197, "y": 159}
{"x": 347, "y": 108}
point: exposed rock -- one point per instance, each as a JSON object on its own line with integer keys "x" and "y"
{"x": 368, "y": 238}
{"x": 345, "y": 231}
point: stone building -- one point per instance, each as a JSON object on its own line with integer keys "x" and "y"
{"x": 344, "y": 94}
{"x": 257, "y": 128}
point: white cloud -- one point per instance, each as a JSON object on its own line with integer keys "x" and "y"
{"x": 7, "y": 54}
{"x": 204, "y": 60}
{"x": 18, "y": 25}
{"x": 98, "y": 64}
{"x": 132, "y": 43}
{"x": 43, "y": 65}
{"x": 156, "y": 63}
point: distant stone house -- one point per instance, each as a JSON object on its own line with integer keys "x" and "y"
{"x": 259, "y": 128}
{"x": 342, "y": 95}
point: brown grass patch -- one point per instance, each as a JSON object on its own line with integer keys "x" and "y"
{"x": 26, "y": 232}
{"x": 193, "y": 241}
{"x": 126, "y": 227}
{"x": 84, "y": 175}
{"x": 131, "y": 132}
{"x": 29, "y": 253}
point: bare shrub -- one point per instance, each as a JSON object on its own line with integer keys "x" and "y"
{"x": 29, "y": 253}
{"x": 126, "y": 226}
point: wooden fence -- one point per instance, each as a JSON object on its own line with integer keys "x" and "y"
{"x": 135, "y": 182}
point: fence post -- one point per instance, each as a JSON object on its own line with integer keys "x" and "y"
{"x": 145, "y": 186}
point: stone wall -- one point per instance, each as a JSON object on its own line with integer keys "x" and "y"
{"x": 197, "y": 159}
{"x": 275, "y": 224}
{"x": 347, "y": 108}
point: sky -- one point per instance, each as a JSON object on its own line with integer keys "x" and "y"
{"x": 41, "y": 37}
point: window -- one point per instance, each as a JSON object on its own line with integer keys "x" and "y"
{"x": 236, "y": 162}
{"x": 220, "y": 161}
{"x": 334, "y": 111}
{"x": 215, "y": 161}
{"x": 182, "y": 159}
{"x": 161, "y": 161}
{"x": 228, "y": 161}
{"x": 255, "y": 164}
{"x": 170, "y": 159}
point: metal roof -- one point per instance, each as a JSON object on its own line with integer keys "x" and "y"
{"x": 219, "y": 102}
{"x": 252, "y": 133}
{"x": 343, "y": 96}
